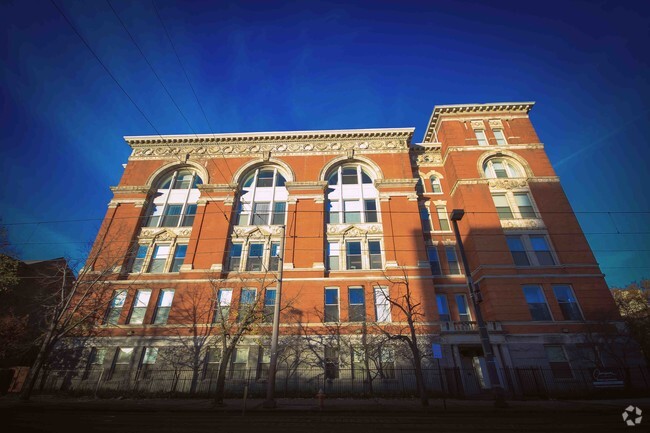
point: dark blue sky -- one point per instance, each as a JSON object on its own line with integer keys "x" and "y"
{"x": 262, "y": 66}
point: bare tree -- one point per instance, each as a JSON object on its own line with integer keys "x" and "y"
{"x": 403, "y": 301}
{"x": 77, "y": 306}
{"x": 230, "y": 325}
{"x": 633, "y": 303}
{"x": 195, "y": 309}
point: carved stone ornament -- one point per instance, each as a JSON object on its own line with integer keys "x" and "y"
{"x": 495, "y": 123}
{"x": 165, "y": 234}
{"x": 238, "y": 149}
{"x": 477, "y": 124}
{"x": 427, "y": 158}
{"x": 256, "y": 232}
{"x": 354, "y": 230}
{"x": 523, "y": 223}
{"x": 507, "y": 183}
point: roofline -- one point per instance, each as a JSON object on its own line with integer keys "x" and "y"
{"x": 438, "y": 110}
{"x": 403, "y": 133}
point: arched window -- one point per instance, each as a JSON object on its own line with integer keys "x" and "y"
{"x": 262, "y": 198}
{"x": 352, "y": 197}
{"x": 436, "y": 186}
{"x": 174, "y": 204}
{"x": 502, "y": 168}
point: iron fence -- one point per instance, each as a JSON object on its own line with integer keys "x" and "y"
{"x": 519, "y": 383}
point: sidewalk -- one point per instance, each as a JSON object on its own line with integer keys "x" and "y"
{"x": 381, "y": 405}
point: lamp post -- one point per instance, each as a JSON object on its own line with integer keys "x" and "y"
{"x": 270, "y": 387}
{"x": 495, "y": 383}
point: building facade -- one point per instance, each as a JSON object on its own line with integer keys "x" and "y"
{"x": 201, "y": 225}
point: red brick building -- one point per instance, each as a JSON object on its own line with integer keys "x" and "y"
{"x": 356, "y": 208}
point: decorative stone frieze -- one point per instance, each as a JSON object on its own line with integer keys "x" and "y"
{"x": 354, "y": 230}
{"x": 166, "y": 233}
{"x": 256, "y": 232}
{"x": 507, "y": 183}
{"x": 523, "y": 223}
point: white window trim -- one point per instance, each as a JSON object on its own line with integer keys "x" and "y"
{"x": 530, "y": 251}
{"x": 512, "y": 203}
{"x": 164, "y": 206}
{"x": 338, "y": 305}
{"x": 365, "y": 253}
{"x": 253, "y": 192}
{"x": 488, "y": 169}
{"x": 382, "y": 293}
{"x": 570, "y": 286}
{"x": 541, "y": 288}
{"x": 478, "y": 140}
{"x": 361, "y": 198}
{"x": 245, "y": 248}
{"x": 503, "y": 133}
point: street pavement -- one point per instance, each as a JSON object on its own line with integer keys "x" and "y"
{"x": 56, "y": 414}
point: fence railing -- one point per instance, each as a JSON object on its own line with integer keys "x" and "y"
{"x": 519, "y": 383}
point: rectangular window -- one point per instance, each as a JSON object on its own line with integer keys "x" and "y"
{"x": 279, "y": 209}
{"x": 261, "y": 213}
{"x": 212, "y": 362}
{"x": 150, "y": 355}
{"x": 434, "y": 260}
{"x": 274, "y": 259}
{"x": 518, "y": 251}
{"x": 222, "y": 310}
{"x": 97, "y": 356}
{"x": 463, "y": 309}
{"x": 357, "y": 305}
{"x": 500, "y": 137}
{"x": 382, "y": 304}
{"x": 436, "y": 186}
{"x": 190, "y": 213}
{"x": 263, "y": 363}
{"x": 371, "y": 211}
{"x": 179, "y": 257}
{"x": 243, "y": 212}
{"x": 334, "y": 212}
{"x": 503, "y": 207}
{"x": 542, "y": 250}
{"x": 159, "y": 258}
{"x": 139, "y": 307}
{"x": 442, "y": 218}
{"x": 374, "y": 249}
{"x": 234, "y": 260}
{"x": 269, "y": 305}
{"x": 387, "y": 363}
{"x": 331, "y": 359}
{"x": 246, "y": 305}
{"x": 138, "y": 261}
{"x": 443, "y": 308}
{"x": 424, "y": 217}
{"x": 349, "y": 176}
{"x": 567, "y": 302}
{"x": 172, "y": 215}
{"x": 452, "y": 260}
{"x": 537, "y": 303}
{"x": 154, "y": 217}
{"x": 333, "y": 253}
{"x": 353, "y": 254}
{"x": 165, "y": 299}
{"x": 123, "y": 355}
{"x": 331, "y": 304}
{"x": 352, "y": 211}
{"x": 358, "y": 362}
{"x": 524, "y": 205}
{"x": 239, "y": 363}
{"x": 480, "y": 137}
{"x": 255, "y": 254}
{"x": 559, "y": 363}
{"x": 115, "y": 307}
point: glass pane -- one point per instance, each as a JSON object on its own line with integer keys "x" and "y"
{"x": 278, "y": 213}
{"x": 371, "y": 211}
{"x": 137, "y": 316}
{"x": 353, "y": 248}
{"x": 124, "y": 355}
{"x": 349, "y": 176}
{"x": 356, "y": 296}
{"x": 331, "y": 296}
{"x": 166, "y": 298}
{"x": 261, "y": 213}
{"x": 374, "y": 247}
{"x": 443, "y": 307}
{"x": 183, "y": 180}
{"x": 256, "y": 250}
{"x": 269, "y": 297}
{"x": 533, "y": 294}
{"x": 333, "y": 179}
{"x": 142, "y": 298}
{"x": 172, "y": 215}
{"x": 365, "y": 178}
{"x": 162, "y": 314}
{"x": 235, "y": 250}
{"x": 279, "y": 180}
{"x": 247, "y": 296}
{"x": 332, "y": 313}
{"x": 265, "y": 178}
{"x": 539, "y": 243}
{"x": 119, "y": 296}
{"x": 225, "y": 297}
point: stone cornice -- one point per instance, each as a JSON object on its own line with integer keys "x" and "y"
{"x": 218, "y": 187}
{"x": 130, "y": 189}
{"x": 306, "y": 186}
{"x": 504, "y": 107}
{"x": 395, "y": 183}
{"x": 333, "y": 134}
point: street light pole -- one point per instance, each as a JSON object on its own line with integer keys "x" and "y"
{"x": 270, "y": 387}
{"x": 495, "y": 383}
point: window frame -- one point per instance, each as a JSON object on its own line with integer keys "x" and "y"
{"x": 530, "y": 251}
{"x": 442, "y": 304}
{"x": 367, "y": 259}
{"x": 515, "y": 210}
{"x": 449, "y": 248}
{"x": 248, "y": 198}
{"x": 512, "y": 168}
{"x": 559, "y": 372}
{"x": 327, "y": 315}
{"x": 382, "y": 304}
{"x": 481, "y": 137}
{"x": 114, "y": 311}
{"x": 500, "y": 140}
{"x": 362, "y": 314}
{"x": 158, "y": 212}
{"x": 136, "y": 309}
{"x": 336, "y": 198}
{"x": 161, "y": 313}
{"x": 545, "y": 303}
{"x": 576, "y": 305}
